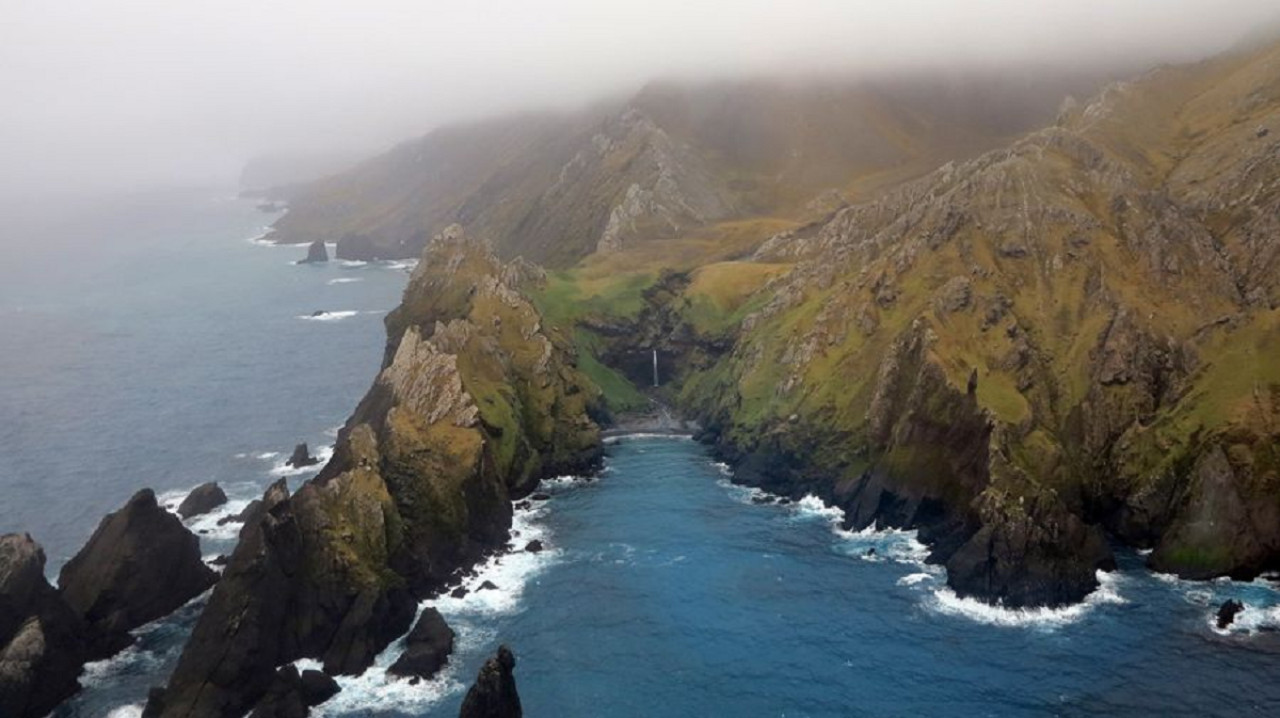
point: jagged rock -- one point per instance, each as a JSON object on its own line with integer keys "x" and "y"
{"x": 41, "y": 638}
{"x": 292, "y": 695}
{"x": 316, "y": 253}
{"x": 140, "y": 564}
{"x": 220, "y": 560}
{"x": 487, "y": 586}
{"x": 251, "y": 513}
{"x": 494, "y": 693}
{"x": 459, "y": 592}
{"x": 533, "y": 546}
{"x": 318, "y": 687}
{"x": 427, "y": 647}
{"x": 202, "y": 499}
{"x": 301, "y": 457}
{"x": 1227, "y": 613}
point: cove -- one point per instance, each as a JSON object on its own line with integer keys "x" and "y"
{"x": 666, "y": 592}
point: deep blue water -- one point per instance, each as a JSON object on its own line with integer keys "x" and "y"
{"x": 147, "y": 343}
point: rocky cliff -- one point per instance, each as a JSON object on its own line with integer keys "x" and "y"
{"x": 668, "y": 161}
{"x": 475, "y": 403}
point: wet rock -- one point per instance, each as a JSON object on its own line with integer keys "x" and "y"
{"x": 301, "y": 457}
{"x": 202, "y": 499}
{"x": 220, "y": 560}
{"x": 494, "y": 693}
{"x": 140, "y": 564}
{"x": 1227, "y": 612}
{"x": 540, "y": 496}
{"x": 427, "y": 647}
{"x": 316, "y": 253}
{"x": 317, "y": 687}
{"x": 459, "y": 592}
{"x": 487, "y": 586}
{"x": 292, "y": 695}
{"x": 41, "y": 638}
{"x": 533, "y": 546}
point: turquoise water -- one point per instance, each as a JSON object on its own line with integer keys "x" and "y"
{"x": 148, "y": 343}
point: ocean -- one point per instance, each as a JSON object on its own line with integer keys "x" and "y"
{"x": 149, "y": 342}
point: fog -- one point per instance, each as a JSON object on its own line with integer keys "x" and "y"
{"x": 126, "y": 95}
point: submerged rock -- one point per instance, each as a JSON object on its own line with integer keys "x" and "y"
{"x": 316, "y": 253}
{"x": 140, "y": 564}
{"x": 427, "y": 647}
{"x": 41, "y": 638}
{"x": 494, "y": 694}
{"x": 1227, "y": 612}
{"x": 202, "y": 499}
{"x": 301, "y": 456}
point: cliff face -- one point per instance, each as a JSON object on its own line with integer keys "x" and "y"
{"x": 475, "y": 403}
{"x": 1055, "y": 340}
{"x": 555, "y": 188}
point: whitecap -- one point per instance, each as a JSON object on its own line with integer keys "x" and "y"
{"x": 946, "y": 602}
{"x": 407, "y": 265}
{"x": 915, "y": 578}
{"x": 345, "y": 280}
{"x": 353, "y": 263}
{"x": 646, "y": 435}
{"x": 329, "y": 316}
{"x": 133, "y": 710}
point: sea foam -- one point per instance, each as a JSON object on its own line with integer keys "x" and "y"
{"x": 946, "y": 602}
{"x": 329, "y": 316}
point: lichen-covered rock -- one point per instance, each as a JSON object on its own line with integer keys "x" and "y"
{"x": 494, "y": 693}
{"x": 140, "y": 564}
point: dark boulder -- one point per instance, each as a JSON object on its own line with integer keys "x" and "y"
{"x": 487, "y": 586}
{"x": 540, "y": 496}
{"x": 534, "y": 546}
{"x": 301, "y": 457}
{"x": 220, "y": 560}
{"x": 1227, "y": 612}
{"x": 316, "y": 253}
{"x": 427, "y": 647}
{"x": 140, "y": 564}
{"x": 494, "y": 693}
{"x": 317, "y": 687}
{"x": 41, "y": 646}
{"x": 459, "y": 592}
{"x": 202, "y": 499}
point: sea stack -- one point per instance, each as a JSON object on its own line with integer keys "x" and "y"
{"x": 494, "y": 693}
{"x": 301, "y": 457}
{"x": 40, "y": 637}
{"x": 140, "y": 564}
{"x": 427, "y": 647}
{"x": 202, "y": 499}
{"x": 316, "y": 253}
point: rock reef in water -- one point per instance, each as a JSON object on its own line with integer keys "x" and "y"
{"x": 140, "y": 564}
{"x": 476, "y": 403}
{"x": 494, "y": 693}
{"x": 202, "y": 499}
{"x": 427, "y": 647}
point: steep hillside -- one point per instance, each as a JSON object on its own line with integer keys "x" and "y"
{"x": 673, "y": 160}
{"x": 1018, "y": 354}
{"x": 476, "y": 403}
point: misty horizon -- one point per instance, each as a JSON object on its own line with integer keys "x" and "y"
{"x": 119, "y": 96}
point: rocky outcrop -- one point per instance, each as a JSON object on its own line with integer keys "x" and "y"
{"x": 317, "y": 253}
{"x": 494, "y": 693}
{"x": 475, "y": 404}
{"x": 427, "y": 647}
{"x": 42, "y": 644}
{"x": 301, "y": 457}
{"x": 140, "y": 564}
{"x": 202, "y": 499}
{"x": 293, "y": 694}
{"x": 1227, "y": 613}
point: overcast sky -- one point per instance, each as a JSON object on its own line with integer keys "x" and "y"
{"x": 127, "y": 94}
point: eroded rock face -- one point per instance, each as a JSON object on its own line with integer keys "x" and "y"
{"x": 427, "y": 647}
{"x": 202, "y": 499}
{"x": 140, "y": 564}
{"x": 41, "y": 639}
{"x": 474, "y": 405}
{"x": 494, "y": 693}
{"x": 316, "y": 253}
{"x": 301, "y": 457}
